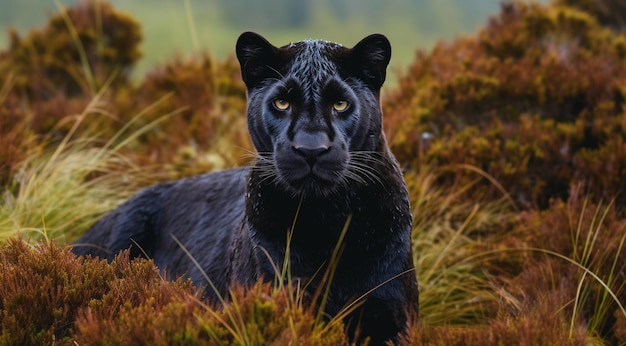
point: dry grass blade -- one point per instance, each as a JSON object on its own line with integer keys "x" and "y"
{"x": 77, "y": 172}
{"x": 455, "y": 287}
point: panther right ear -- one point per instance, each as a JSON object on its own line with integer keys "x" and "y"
{"x": 369, "y": 59}
{"x": 257, "y": 57}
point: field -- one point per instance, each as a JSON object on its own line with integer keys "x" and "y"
{"x": 512, "y": 140}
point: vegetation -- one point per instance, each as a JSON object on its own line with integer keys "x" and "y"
{"x": 513, "y": 140}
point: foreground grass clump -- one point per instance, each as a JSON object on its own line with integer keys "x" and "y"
{"x": 43, "y": 287}
{"x": 49, "y": 296}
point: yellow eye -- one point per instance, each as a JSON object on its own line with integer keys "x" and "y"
{"x": 341, "y": 106}
{"x": 281, "y": 104}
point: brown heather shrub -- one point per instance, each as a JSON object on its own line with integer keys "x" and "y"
{"x": 48, "y": 295}
{"x": 610, "y": 13}
{"x": 15, "y": 138}
{"x": 74, "y": 54}
{"x": 41, "y": 289}
{"x": 45, "y": 288}
{"x": 58, "y": 69}
{"x": 531, "y": 108}
{"x": 539, "y": 326}
{"x": 260, "y": 316}
{"x": 535, "y": 100}
{"x": 206, "y": 104}
{"x": 138, "y": 308}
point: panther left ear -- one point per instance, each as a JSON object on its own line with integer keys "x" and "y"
{"x": 257, "y": 58}
{"x": 369, "y": 59}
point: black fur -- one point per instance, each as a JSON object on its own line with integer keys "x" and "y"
{"x": 320, "y": 167}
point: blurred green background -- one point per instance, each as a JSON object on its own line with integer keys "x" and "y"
{"x": 177, "y": 27}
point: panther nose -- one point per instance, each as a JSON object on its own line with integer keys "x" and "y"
{"x": 311, "y": 154}
{"x": 311, "y": 146}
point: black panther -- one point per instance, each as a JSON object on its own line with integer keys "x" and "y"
{"x": 323, "y": 174}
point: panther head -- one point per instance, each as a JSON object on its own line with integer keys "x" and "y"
{"x": 314, "y": 110}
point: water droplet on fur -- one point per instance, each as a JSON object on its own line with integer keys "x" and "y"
{"x": 255, "y": 207}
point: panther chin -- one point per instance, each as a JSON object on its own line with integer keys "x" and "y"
{"x": 313, "y": 186}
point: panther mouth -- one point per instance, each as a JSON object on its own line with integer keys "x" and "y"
{"x": 321, "y": 178}
{"x": 312, "y": 181}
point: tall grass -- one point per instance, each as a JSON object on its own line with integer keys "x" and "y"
{"x": 61, "y": 189}
{"x": 455, "y": 286}
{"x": 51, "y": 196}
{"x": 590, "y": 258}
{"x": 477, "y": 285}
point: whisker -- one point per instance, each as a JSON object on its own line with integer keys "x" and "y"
{"x": 364, "y": 175}
{"x": 277, "y": 72}
{"x": 360, "y": 167}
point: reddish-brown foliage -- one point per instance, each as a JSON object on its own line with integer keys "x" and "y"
{"x": 610, "y": 13}
{"x": 75, "y": 54}
{"x": 535, "y": 100}
{"x": 47, "y": 295}
{"x": 42, "y": 289}
{"x": 585, "y": 235}
{"x": 81, "y": 62}
{"x": 538, "y": 326}
{"x": 15, "y": 138}
{"x": 205, "y": 102}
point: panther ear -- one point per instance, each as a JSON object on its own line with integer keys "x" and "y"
{"x": 369, "y": 59}
{"x": 256, "y": 57}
